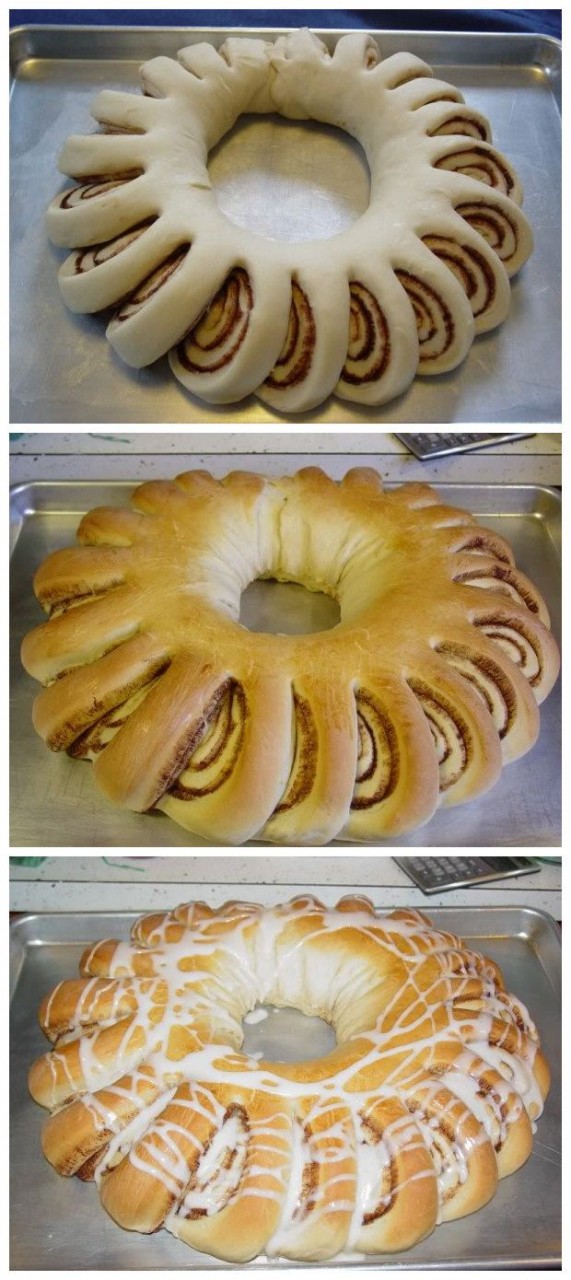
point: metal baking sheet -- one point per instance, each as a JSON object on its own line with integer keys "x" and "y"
{"x": 68, "y": 373}
{"x": 68, "y": 1230}
{"x": 54, "y": 799}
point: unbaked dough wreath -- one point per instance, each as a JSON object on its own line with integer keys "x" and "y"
{"x": 430, "y": 1096}
{"x": 403, "y": 291}
{"x": 429, "y": 683}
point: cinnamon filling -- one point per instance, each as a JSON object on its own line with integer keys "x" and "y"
{"x": 500, "y": 699}
{"x": 518, "y": 642}
{"x": 93, "y": 187}
{"x": 452, "y": 738}
{"x": 479, "y": 542}
{"x": 369, "y": 347}
{"x": 494, "y": 224}
{"x": 294, "y": 361}
{"x": 513, "y": 587}
{"x": 152, "y": 283}
{"x": 97, "y": 254}
{"x": 469, "y": 125}
{"x": 386, "y": 1196}
{"x": 214, "y": 747}
{"x": 476, "y": 162}
{"x": 94, "y": 739}
{"x": 219, "y": 1167}
{"x": 219, "y": 334}
{"x": 434, "y": 320}
{"x": 378, "y": 753}
{"x": 304, "y": 765}
{"x": 470, "y": 268}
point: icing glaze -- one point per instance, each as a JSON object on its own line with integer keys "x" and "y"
{"x": 428, "y": 1098}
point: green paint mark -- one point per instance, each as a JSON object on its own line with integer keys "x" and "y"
{"x": 119, "y": 439}
{"x": 123, "y": 866}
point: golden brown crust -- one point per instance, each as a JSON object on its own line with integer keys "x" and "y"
{"x": 428, "y": 1098}
{"x": 426, "y": 687}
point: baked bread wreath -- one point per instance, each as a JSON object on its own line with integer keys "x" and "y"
{"x": 403, "y": 291}
{"x": 426, "y": 687}
{"x": 429, "y": 1097}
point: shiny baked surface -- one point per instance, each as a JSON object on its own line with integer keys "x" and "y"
{"x": 427, "y": 686}
{"x": 428, "y": 1099}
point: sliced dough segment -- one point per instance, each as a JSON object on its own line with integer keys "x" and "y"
{"x": 316, "y": 801}
{"x": 89, "y": 279}
{"x": 233, "y": 1205}
{"x": 397, "y": 1191}
{"x": 443, "y": 314}
{"x": 499, "y": 221}
{"x": 318, "y": 334}
{"x": 80, "y": 699}
{"x": 488, "y": 574}
{"x": 383, "y": 349}
{"x": 80, "y": 1002}
{"x": 505, "y": 692}
{"x": 480, "y": 273}
{"x": 238, "y": 338}
{"x": 85, "y": 1132}
{"x": 397, "y": 774}
{"x": 147, "y": 754}
{"x": 481, "y": 161}
{"x": 322, "y": 1193}
{"x": 466, "y": 742}
{"x": 98, "y": 211}
{"x": 82, "y": 634}
{"x": 524, "y": 640}
{"x": 73, "y": 572}
{"x": 238, "y": 809}
{"x": 87, "y": 1062}
{"x": 462, "y": 1154}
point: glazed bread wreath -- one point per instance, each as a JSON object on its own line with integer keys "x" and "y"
{"x": 403, "y": 291}
{"x": 430, "y": 681}
{"x": 428, "y": 1098}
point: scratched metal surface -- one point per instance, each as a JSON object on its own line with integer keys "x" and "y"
{"x": 54, "y": 799}
{"x": 279, "y": 177}
{"x": 68, "y": 1229}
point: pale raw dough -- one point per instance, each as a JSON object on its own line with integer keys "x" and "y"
{"x": 402, "y": 291}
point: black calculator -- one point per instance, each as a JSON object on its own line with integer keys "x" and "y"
{"x": 433, "y": 875}
{"x": 435, "y": 444}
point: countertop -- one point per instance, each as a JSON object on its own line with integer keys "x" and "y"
{"x": 147, "y": 455}
{"x": 157, "y": 883}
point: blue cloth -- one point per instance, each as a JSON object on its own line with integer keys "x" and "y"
{"x": 544, "y": 21}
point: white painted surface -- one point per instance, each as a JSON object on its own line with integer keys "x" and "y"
{"x": 146, "y": 455}
{"x": 148, "y": 883}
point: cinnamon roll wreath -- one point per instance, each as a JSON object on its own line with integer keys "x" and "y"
{"x": 429, "y": 683}
{"x": 403, "y": 291}
{"x": 429, "y": 1097}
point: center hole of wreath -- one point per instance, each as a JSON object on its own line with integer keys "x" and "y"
{"x": 289, "y": 179}
{"x": 285, "y": 1035}
{"x": 287, "y": 608}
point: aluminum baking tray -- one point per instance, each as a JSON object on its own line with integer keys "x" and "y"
{"x": 66, "y": 372}
{"x": 68, "y": 1230}
{"x": 54, "y": 799}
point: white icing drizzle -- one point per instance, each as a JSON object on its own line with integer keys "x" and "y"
{"x": 425, "y": 1024}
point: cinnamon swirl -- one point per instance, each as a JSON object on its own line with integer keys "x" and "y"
{"x": 429, "y": 1098}
{"x": 293, "y": 323}
{"x": 429, "y": 683}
